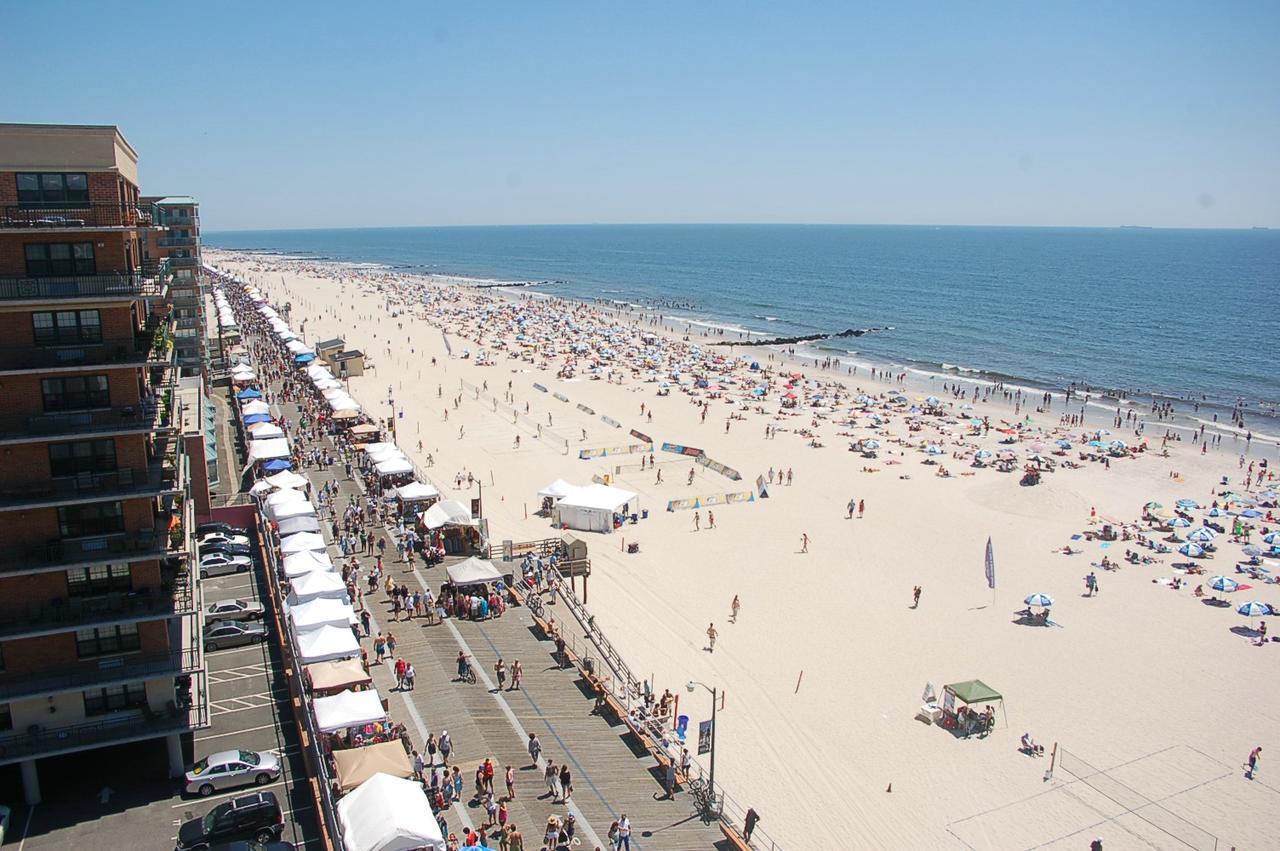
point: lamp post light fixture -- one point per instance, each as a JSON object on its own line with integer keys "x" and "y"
{"x": 689, "y": 687}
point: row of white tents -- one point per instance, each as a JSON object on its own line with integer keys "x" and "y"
{"x": 384, "y": 809}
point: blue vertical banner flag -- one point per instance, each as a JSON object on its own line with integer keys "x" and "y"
{"x": 991, "y": 566}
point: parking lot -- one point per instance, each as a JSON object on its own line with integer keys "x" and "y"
{"x": 122, "y": 799}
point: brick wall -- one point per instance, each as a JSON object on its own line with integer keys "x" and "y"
{"x": 48, "y": 653}
{"x": 18, "y": 329}
{"x": 108, "y": 250}
{"x": 29, "y": 462}
{"x": 38, "y": 526}
{"x": 23, "y": 396}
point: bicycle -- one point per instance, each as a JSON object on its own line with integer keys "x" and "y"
{"x": 704, "y": 800}
{"x": 469, "y": 675}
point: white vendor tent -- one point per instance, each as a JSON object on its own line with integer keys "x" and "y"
{"x": 394, "y": 466}
{"x": 266, "y": 450}
{"x": 447, "y": 512}
{"x": 254, "y": 406}
{"x": 416, "y": 491}
{"x": 264, "y": 431}
{"x": 290, "y": 509}
{"x": 348, "y": 709}
{"x": 322, "y": 611}
{"x": 316, "y": 584}
{"x": 285, "y": 495}
{"x": 386, "y": 813}
{"x": 286, "y": 479}
{"x": 303, "y": 541}
{"x": 473, "y": 571}
{"x": 307, "y": 561}
{"x": 327, "y": 642}
{"x": 558, "y": 489}
{"x": 591, "y": 508}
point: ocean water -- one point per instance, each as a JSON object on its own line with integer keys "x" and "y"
{"x": 1186, "y": 314}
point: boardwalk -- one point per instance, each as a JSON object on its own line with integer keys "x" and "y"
{"x": 612, "y": 772}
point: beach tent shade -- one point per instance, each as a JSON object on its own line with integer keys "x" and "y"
{"x": 322, "y": 611}
{"x": 306, "y": 561}
{"x": 558, "y": 489}
{"x": 974, "y": 691}
{"x": 260, "y": 487}
{"x": 473, "y": 571}
{"x": 326, "y": 643}
{"x": 316, "y": 584}
{"x": 336, "y": 675}
{"x": 349, "y": 709}
{"x": 297, "y": 525}
{"x": 416, "y": 491}
{"x": 287, "y": 479}
{"x": 303, "y": 541}
{"x": 591, "y": 508}
{"x": 387, "y": 813}
{"x": 251, "y": 419}
{"x": 447, "y": 512}
{"x": 356, "y": 765}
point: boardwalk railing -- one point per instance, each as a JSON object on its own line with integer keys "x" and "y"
{"x": 731, "y": 814}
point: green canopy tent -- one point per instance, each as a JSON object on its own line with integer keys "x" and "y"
{"x": 971, "y": 692}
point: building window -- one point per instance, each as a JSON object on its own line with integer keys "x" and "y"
{"x": 59, "y": 258}
{"x": 97, "y": 518}
{"x": 75, "y": 392}
{"x": 86, "y": 456}
{"x": 6, "y": 718}
{"x": 106, "y": 640}
{"x": 102, "y": 579}
{"x": 67, "y": 327}
{"x": 104, "y": 701}
{"x": 53, "y": 188}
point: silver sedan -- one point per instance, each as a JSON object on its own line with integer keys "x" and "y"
{"x": 232, "y": 634}
{"x": 232, "y": 769}
{"x": 235, "y": 610}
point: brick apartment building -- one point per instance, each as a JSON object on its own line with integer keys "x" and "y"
{"x": 177, "y": 238}
{"x": 99, "y": 611}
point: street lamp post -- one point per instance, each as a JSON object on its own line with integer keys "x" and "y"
{"x": 689, "y": 687}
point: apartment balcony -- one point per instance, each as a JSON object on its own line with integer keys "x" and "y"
{"x": 179, "y": 262}
{"x": 107, "y": 671}
{"x": 62, "y": 217}
{"x": 175, "y": 598}
{"x": 148, "y": 281}
{"x": 177, "y": 242}
{"x": 114, "y": 730}
{"x": 169, "y": 220}
{"x": 169, "y": 538}
{"x": 158, "y": 479}
{"x": 131, "y": 419}
{"x": 148, "y": 349}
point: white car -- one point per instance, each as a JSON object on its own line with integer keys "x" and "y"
{"x": 220, "y": 564}
{"x": 222, "y": 538}
{"x": 230, "y": 769}
{"x": 234, "y": 610}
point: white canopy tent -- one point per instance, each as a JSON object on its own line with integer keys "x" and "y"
{"x": 447, "y": 512}
{"x": 394, "y": 466}
{"x": 266, "y": 450}
{"x": 348, "y": 709}
{"x": 387, "y": 813}
{"x": 591, "y": 508}
{"x": 473, "y": 571}
{"x": 327, "y": 642}
{"x": 286, "y": 479}
{"x": 316, "y": 584}
{"x": 254, "y": 406}
{"x": 303, "y": 541}
{"x": 264, "y": 431}
{"x": 322, "y": 611}
{"x": 291, "y": 509}
{"x": 416, "y": 491}
{"x": 285, "y": 495}
{"x": 307, "y": 561}
{"x": 558, "y": 489}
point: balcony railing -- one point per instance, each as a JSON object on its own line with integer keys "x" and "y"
{"x": 132, "y": 418}
{"x": 178, "y": 262}
{"x": 126, "y": 483}
{"x": 173, "y": 599}
{"x": 107, "y": 671}
{"x": 74, "y": 216}
{"x": 120, "y": 351}
{"x": 146, "y": 282}
{"x": 158, "y": 542}
{"x": 170, "y": 220}
{"x": 176, "y": 241}
{"x": 127, "y": 727}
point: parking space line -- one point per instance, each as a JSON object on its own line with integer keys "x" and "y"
{"x": 238, "y": 732}
{"x": 244, "y": 790}
{"x": 259, "y": 647}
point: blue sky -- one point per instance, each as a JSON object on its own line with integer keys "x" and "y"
{"x": 319, "y": 114}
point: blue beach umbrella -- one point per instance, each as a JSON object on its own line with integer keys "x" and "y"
{"x": 871, "y": 444}
{"x": 305, "y": 357}
{"x": 1039, "y": 600}
{"x": 1098, "y": 444}
{"x": 1188, "y": 503}
{"x": 1251, "y": 551}
{"x": 1063, "y": 444}
{"x": 1192, "y": 549}
{"x": 934, "y": 449}
{"x": 1203, "y": 535}
{"x": 249, "y": 394}
{"x": 1254, "y": 609}
{"x": 1180, "y": 522}
{"x": 1223, "y": 583}
{"x": 982, "y": 454}
{"x": 932, "y": 400}
{"x": 1272, "y": 538}
{"x": 1216, "y": 512}
{"x": 1117, "y": 444}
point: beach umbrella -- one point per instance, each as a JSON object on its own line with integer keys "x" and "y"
{"x": 1216, "y": 512}
{"x": 934, "y": 449}
{"x": 1063, "y": 444}
{"x": 932, "y": 401}
{"x": 982, "y": 454}
{"x": 1180, "y": 522}
{"x": 871, "y": 444}
{"x": 1203, "y": 535}
{"x": 1251, "y": 551}
{"x": 1254, "y": 609}
{"x": 1039, "y": 600}
{"x": 1188, "y": 503}
{"x": 1251, "y": 513}
{"x": 1192, "y": 549}
{"x": 1223, "y": 583}
{"x": 1271, "y": 538}
{"x": 1154, "y": 504}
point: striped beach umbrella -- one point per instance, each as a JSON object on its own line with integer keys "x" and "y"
{"x": 1188, "y": 503}
{"x": 1192, "y": 550}
{"x": 1254, "y": 609}
{"x": 1038, "y": 599}
{"x": 982, "y": 454}
{"x": 1180, "y": 523}
{"x": 1271, "y": 538}
{"x": 1223, "y": 583}
{"x": 1202, "y": 535}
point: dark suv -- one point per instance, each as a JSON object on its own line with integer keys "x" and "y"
{"x": 254, "y": 816}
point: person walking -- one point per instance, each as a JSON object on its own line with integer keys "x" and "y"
{"x": 446, "y": 746}
{"x": 862, "y": 507}
{"x": 500, "y": 671}
{"x": 697, "y": 521}
{"x": 535, "y": 748}
{"x": 517, "y": 674}
{"x": 511, "y": 783}
{"x": 804, "y": 542}
{"x": 915, "y": 597}
{"x": 551, "y": 777}
{"x": 1255, "y": 756}
{"x": 431, "y": 749}
{"x": 734, "y": 607}
{"x": 853, "y": 505}
{"x": 711, "y": 519}
{"x": 711, "y": 638}
{"x": 753, "y": 818}
{"x": 566, "y": 783}
{"x": 624, "y": 832}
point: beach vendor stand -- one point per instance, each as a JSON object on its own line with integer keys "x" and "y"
{"x": 388, "y": 813}
{"x": 594, "y": 508}
{"x": 450, "y": 526}
{"x": 356, "y": 765}
{"x": 416, "y": 497}
{"x": 336, "y": 676}
{"x": 958, "y": 714}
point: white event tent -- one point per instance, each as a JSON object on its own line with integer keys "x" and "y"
{"x": 387, "y": 813}
{"x": 591, "y": 508}
{"x": 325, "y": 643}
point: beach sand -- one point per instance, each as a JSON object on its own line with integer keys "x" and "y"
{"x": 1141, "y": 678}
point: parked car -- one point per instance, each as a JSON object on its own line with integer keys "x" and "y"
{"x": 221, "y": 634}
{"x": 229, "y": 549}
{"x": 5, "y": 815}
{"x": 253, "y": 846}
{"x": 234, "y": 610}
{"x": 232, "y": 769}
{"x": 220, "y": 564}
{"x": 221, "y": 538}
{"x": 221, "y": 528}
{"x": 256, "y": 816}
